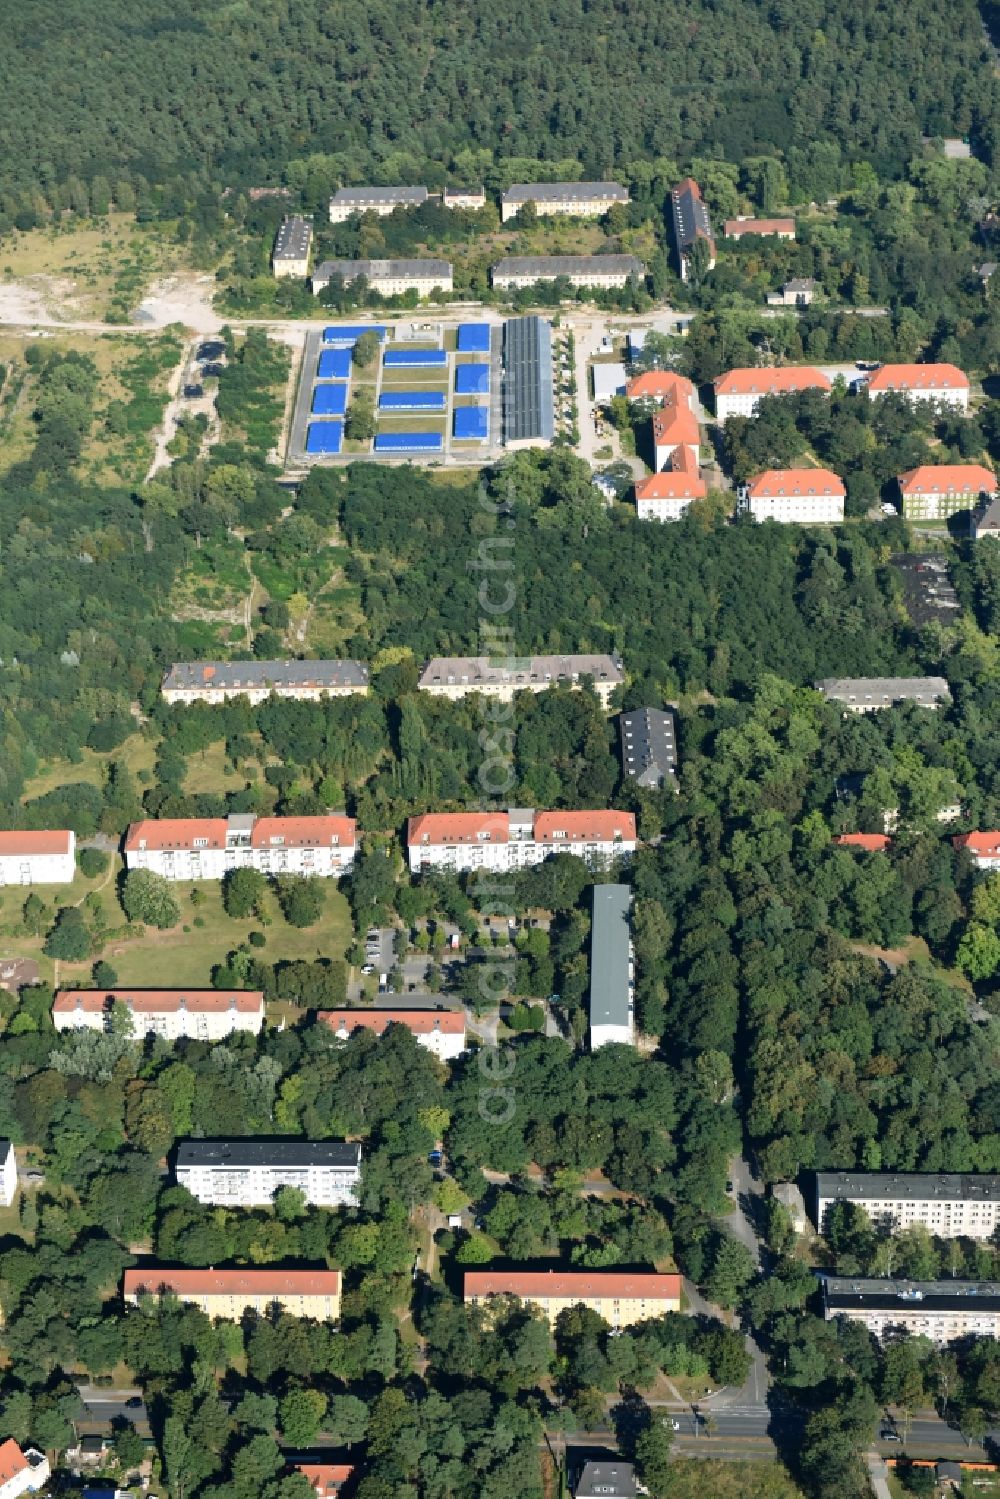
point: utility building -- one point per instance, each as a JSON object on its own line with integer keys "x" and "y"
{"x": 292, "y": 245}
{"x": 612, "y": 968}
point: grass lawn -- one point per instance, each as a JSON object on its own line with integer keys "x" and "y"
{"x": 410, "y": 422}
{"x": 210, "y": 772}
{"x": 429, "y": 379}
{"x": 185, "y": 955}
{"x": 137, "y": 751}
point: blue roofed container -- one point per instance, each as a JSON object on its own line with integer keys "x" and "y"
{"x": 412, "y": 400}
{"x": 400, "y": 359}
{"x": 334, "y": 364}
{"x": 472, "y": 424}
{"x": 329, "y": 400}
{"x": 325, "y": 437}
{"x": 473, "y": 338}
{"x": 409, "y": 442}
{"x": 349, "y": 334}
{"x": 472, "y": 379}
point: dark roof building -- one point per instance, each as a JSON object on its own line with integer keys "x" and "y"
{"x": 237, "y": 1155}
{"x": 649, "y": 748}
{"x": 213, "y": 681}
{"x": 605, "y": 1480}
{"x": 868, "y": 694}
{"x": 579, "y": 270}
{"x": 389, "y": 278}
{"x": 941, "y": 1310}
{"x": 381, "y": 200}
{"x": 527, "y": 381}
{"x": 691, "y": 223}
{"x": 290, "y": 256}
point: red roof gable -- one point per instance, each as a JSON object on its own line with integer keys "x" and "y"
{"x": 658, "y": 385}
{"x": 979, "y": 843}
{"x": 584, "y": 827}
{"x": 671, "y": 484}
{"x": 325, "y": 1478}
{"x": 735, "y": 227}
{"x": 160, "y": 1001}
{"x": 918, "y": 377}
{"x": 796, "y": 481}
{"x": 239, "y": 1282}
{"x": 35, "y": 842}
{"x": 563, "y": 1284}
{"x": 12, "y": 1460}
{"x": 765, "y": 382}
{"x": 457, "y": 827}
{"x": 420, "y": 1022}
{"x": 160, "y": 833}
{"x": 303, "y": 832}
{"x": 873, "y": 843}
{"x": 948, "y": 478}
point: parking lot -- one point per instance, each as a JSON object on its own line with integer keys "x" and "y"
{"x": 927, "y": 589}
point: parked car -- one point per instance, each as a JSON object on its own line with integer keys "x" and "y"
{"x": 368, "y": 968}
{"x": 888, "y": 1435}
{"x": 193, "y": 392}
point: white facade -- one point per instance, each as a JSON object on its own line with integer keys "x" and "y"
{"x": 8, "y": 1173}
{"x": 739, "y": 392}
{"x": 456, "y": 677}
{"x": 174, "y": 1014}
{"x": 21, "y": 1472}
{"x": 950, "y": 1205}
{"x": 941, "y": 383}
{"x": 942, "y": 1311}
{"x": 348, "y": 201}
{"x": 207, "y": 848}
{"x": 390, "y": 278}
{"x": 459, "y": 197}
{"x": 606, "y": 272}
{"x": 802, "y": 496}
{"x": 305, "y": 681}
{"x": 247, "y": 1173}
{"x": 578, "y": 200}
{"x": 502, "y": 841}
{"x": 37, "y": 858}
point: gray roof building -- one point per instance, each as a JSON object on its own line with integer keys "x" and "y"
{"x": 562, "y": 192}
{"x": 279, "y": 1154}
{"x": 519, "y": 672}
{"x": 384, "y": 270}
{"x": 611, "y": 969}
{"x": 986, "y": 522}
{"x": 846, "y": 1292}
{"x": 236, "y": 676}
{"x": 605, "y": 1480}
{"x": 527, "y": 381}
{"x": 582, "y": 270}
{"x": 293, "y": 239}
{"x": 690, "y": 221}
{"x": 868, "y": 694}
{"x": 357, "y": 199}
{"x": 649, "y": 746}
{"x": 904, "y": 1186}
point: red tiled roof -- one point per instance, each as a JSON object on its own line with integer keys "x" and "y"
{"x": 675, "y": 422}
{"x": 175, "y": 832}
{"x": 797, "y": 482}
{"x": 583, "y": 827}
{"x": 947, "y": 478}
{"x": 160, "y": 1001}
{"x": 457, "y": 827}
{"x": 420, "y": 1022}
{"x": 562, "y": 1284}
{"x": 918, "y": 377}
{"x": 979, "y": 843}
{"x": 239, "y": 1282}
{"x": 49, "y": 841}
{"x": 12, "y": 1460}
{"x": 659, "y": 384}
{"x": 325, "y": 1478}
{"x": 303, "y": 832}
{"x": 735, "y": 227}
{"x": 873, "y": 843}
{"x": 671, "y": 484}
{"x": 765, "y": 382}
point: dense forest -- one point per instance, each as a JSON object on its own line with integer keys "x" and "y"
{"x": 240, "y": 95}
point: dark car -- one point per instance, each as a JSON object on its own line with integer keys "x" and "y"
{"x": 193, "y": 392}
{"x": 134, "y": 1402}
{"x": 212, "y": 370}
{"x": 212, "y": 348}
{"x": 888, "y": 1435}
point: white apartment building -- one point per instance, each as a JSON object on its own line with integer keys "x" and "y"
{"x": 456, "y": 677}
{"x": 516, "y": 839}
{"x": 603, "y": 271}
{"x": 983, "y": 848}
{"x": 8, "y": 1173}
{"x": 292, "y": 244}
{"x": 807, "y": 496}
{"x": 941, "y": 1310}
{"x": 247, "y": 1173}
{"x": 307, "y": 681}
{"x": 578, "y": 200}
{"x": 922, "y": 382}
{"x": 871, "y": 694}
{"x": 950, "y": 1205}
{"x": 441, "y": 1032}
{"x": 472, "y": 198}
{"x": 230, "y": 1293}
{"x": 739, "y": 392}
{"x": 390, "y": 278}
{"x": 21, "y": 1472}
{"x": 206, "y": 848}
{"x": 37, "y": 858}
{"x": 175, "y": 1014}
{"x": 348, "y": 201}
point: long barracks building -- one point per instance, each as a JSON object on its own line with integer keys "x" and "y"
{"x": 216, "y": 681}
{"x": 247, "y": 1173}
{"x": 231, "y": 1293}
{"x": 948, "y": 1204}
{"x": 620, "y": 1297}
